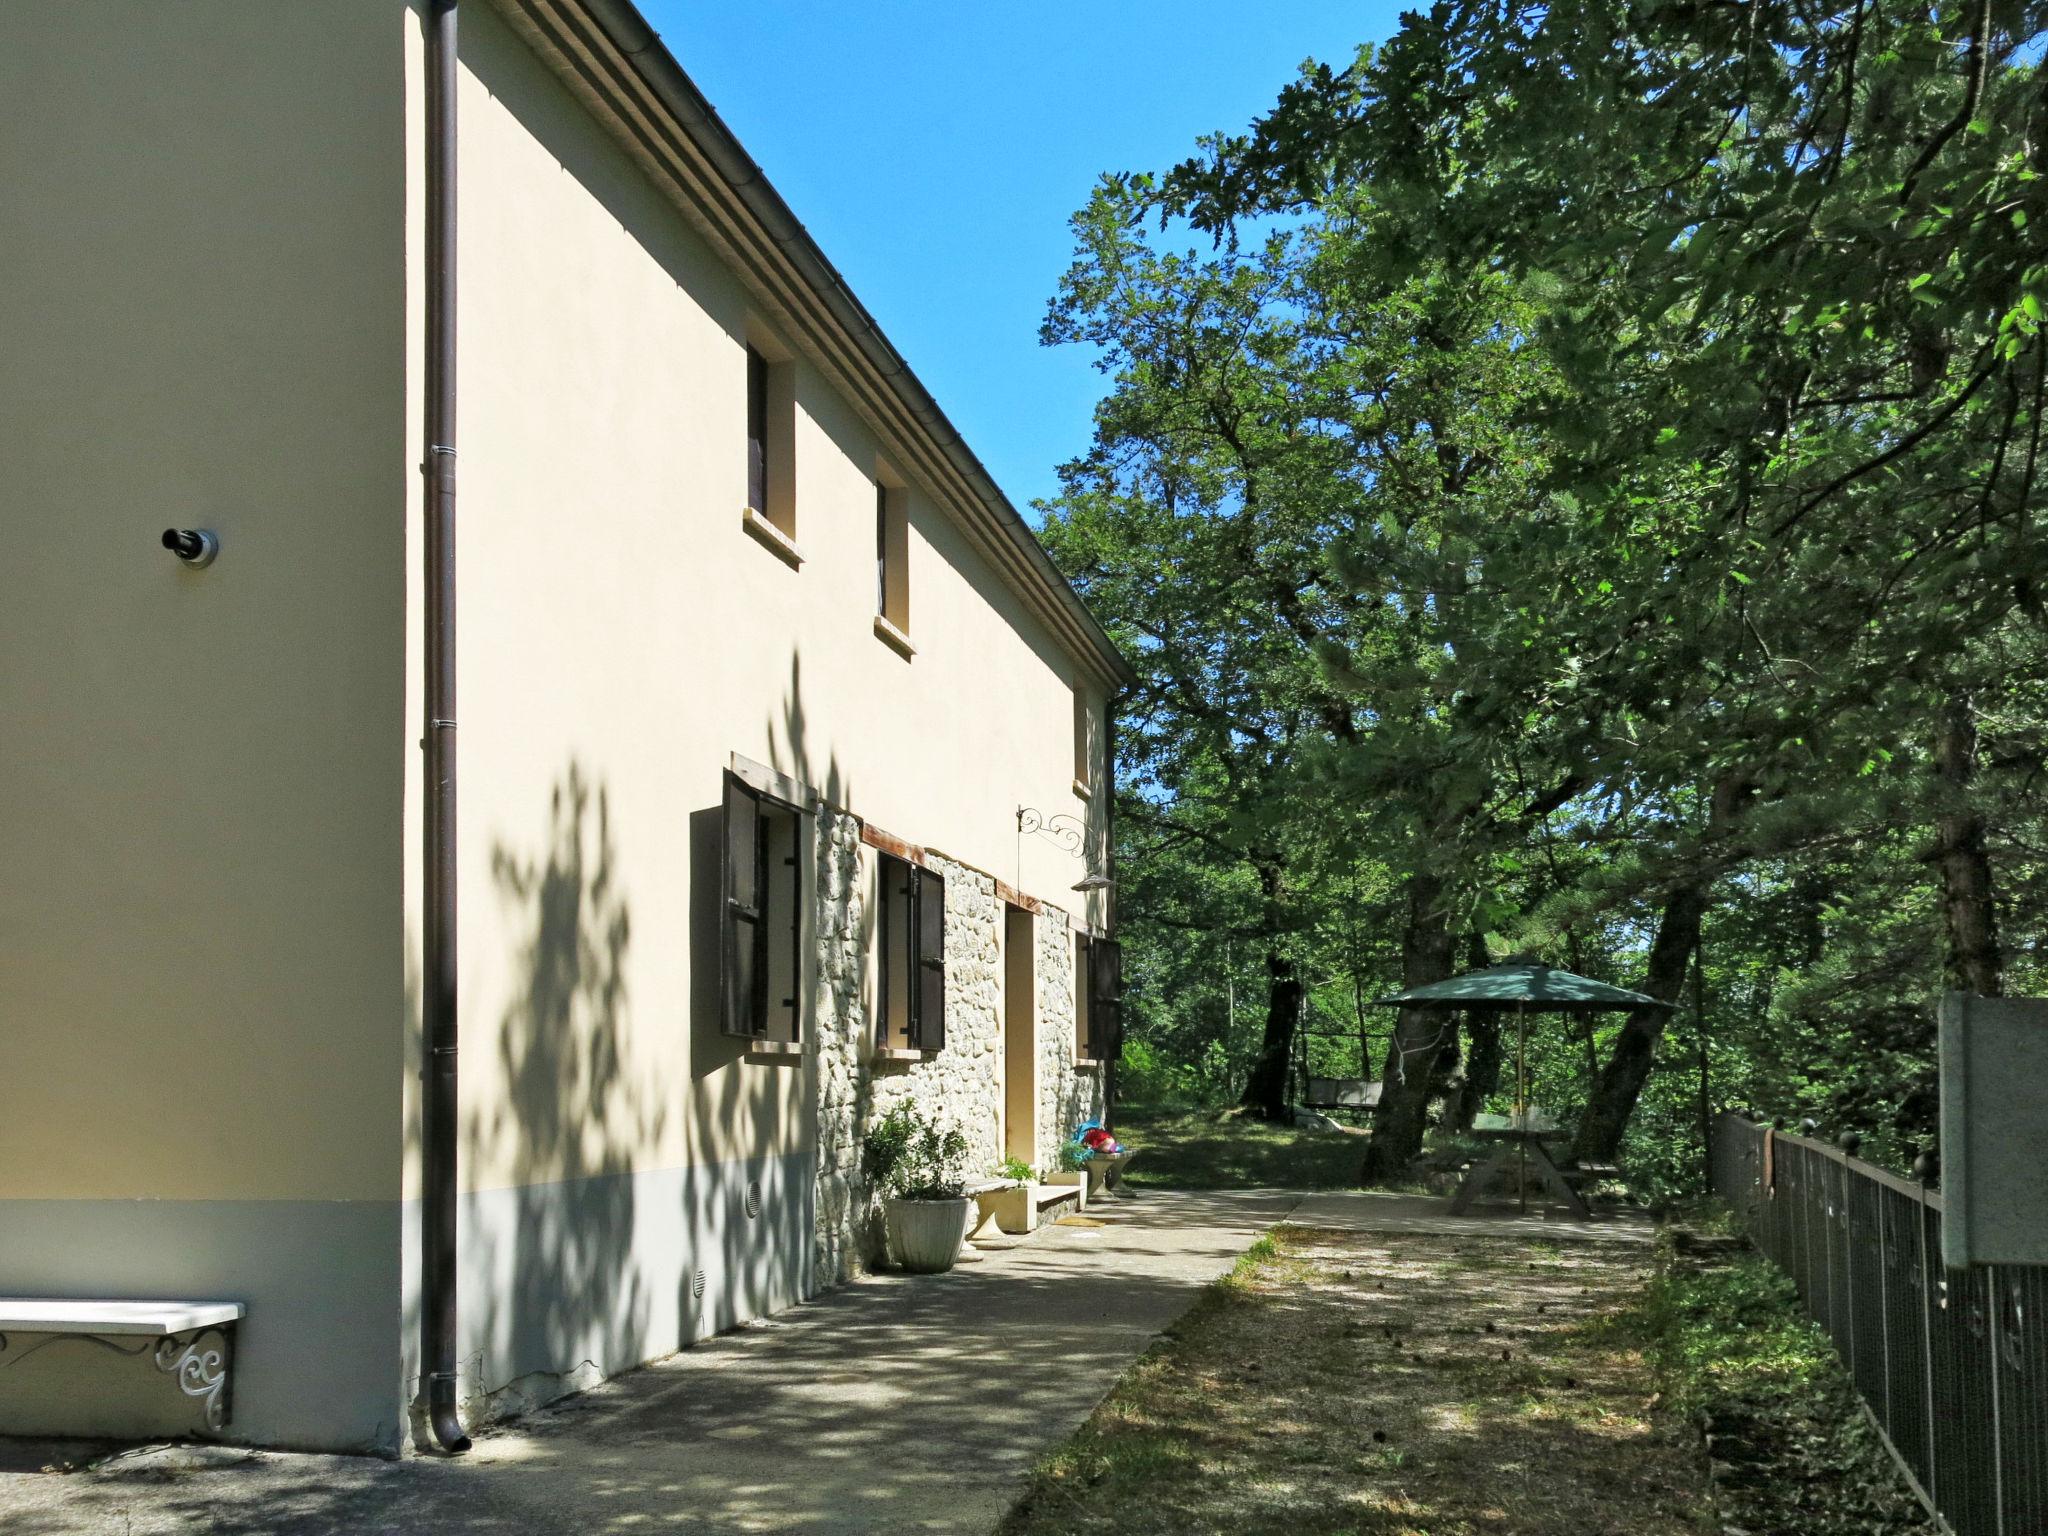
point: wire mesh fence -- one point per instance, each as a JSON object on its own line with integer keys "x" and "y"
{"x": 1953, "y": 1364}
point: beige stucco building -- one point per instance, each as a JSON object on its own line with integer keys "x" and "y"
{"x": 757, "y": 671}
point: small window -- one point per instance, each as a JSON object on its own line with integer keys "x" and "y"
{"x": 771, "y": 451}
{"x": 911, "y": 1015}
{"x": 1098, "y": 998}
{"x": 757, "y": 432}
{"x": 892, "y": 556}
{"x": 762, "y": 915}
{"x": 1084, "y": 744}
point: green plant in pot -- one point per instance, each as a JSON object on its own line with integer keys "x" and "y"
{"x": 917, "y": 1167}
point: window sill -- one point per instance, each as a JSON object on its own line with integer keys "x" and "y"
{"x": 1089, "y": 1063}
{"x": 790, "y": 1051}
{"x": 900, "y": 1053}
{"x": 778, "y": 543}
{"x": 1082, "y": 789}
{"x": 896, "y": 640}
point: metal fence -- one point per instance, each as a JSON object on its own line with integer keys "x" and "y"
{"x": 1953, "y": 1364}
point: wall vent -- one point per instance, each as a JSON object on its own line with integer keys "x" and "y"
{"x": 697, "y": 1285}
{"x": 753, "y": 1197}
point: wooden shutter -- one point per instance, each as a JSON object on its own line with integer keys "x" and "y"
{"x": 1105, "y": 999}
{"x": 743, "y": 947}
{"x": 928, "y": 1001}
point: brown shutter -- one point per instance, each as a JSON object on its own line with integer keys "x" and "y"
{"x": 1105, "y": 999}
{"x": 930, "y": 982}
{"x": 743, "y": 939}
{"x": 794, "y": 884}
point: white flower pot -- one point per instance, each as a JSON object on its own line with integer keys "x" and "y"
{"x": 925, "y": 1235}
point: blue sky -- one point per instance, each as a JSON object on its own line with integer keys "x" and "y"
{"x": 937, "y": 151}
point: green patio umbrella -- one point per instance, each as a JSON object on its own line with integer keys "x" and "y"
{"x": 1527, "y": 986}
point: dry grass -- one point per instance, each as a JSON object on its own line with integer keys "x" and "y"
{"x": 1406, "y": 1386}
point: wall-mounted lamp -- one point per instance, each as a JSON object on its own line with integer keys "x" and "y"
{"x": 1071, "y": 833}
{"x": 197, "y": 547}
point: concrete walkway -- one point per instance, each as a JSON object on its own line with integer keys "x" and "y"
{"x": 896, "y": 1404}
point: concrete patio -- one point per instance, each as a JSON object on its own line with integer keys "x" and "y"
{"x": 894, "y": 1404}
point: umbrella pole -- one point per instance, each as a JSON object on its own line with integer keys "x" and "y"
{"x": 1522, "y": 1105}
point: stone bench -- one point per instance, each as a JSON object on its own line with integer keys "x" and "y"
{"x": 193, "y": 1346}
{"x": 1015, "y": 1207}
{"x": 1000, "y": 1203}
{"x": 1050, "y": 1197}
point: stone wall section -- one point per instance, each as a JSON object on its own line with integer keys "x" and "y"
{"x": 1067, "y": 1094}
{"x": 845, "y": 881}
{"x": 961, "y": 1085}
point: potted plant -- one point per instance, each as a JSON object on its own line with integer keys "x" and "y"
{"x": 1070, "y": 1167}
{"x": 925, "y": 1209}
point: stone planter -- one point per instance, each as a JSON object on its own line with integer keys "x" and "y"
{"x": 1103, "y": 1172}
{"x": 925, "y": 1235}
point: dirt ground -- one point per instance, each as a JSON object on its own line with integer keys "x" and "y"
{"x": 1387, "y": 1385}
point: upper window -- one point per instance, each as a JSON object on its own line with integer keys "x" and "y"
{"x": 892, "y": 559}
{"x": 911, "y": 1010}
{"x": 771, "y": 453}
{"x": 761, "y": 921}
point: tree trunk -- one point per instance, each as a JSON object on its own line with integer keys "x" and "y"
{"x": 1412, "y": 1057}
{"x": 1635, "y": 1048}
{"x": 1482, "y": 1071}
{"x": 1265, "y": 1090}
{"x": 1482, "y": 1054}
{"x": 1974, "y": 962}
{"x": 1621, "y": 1081}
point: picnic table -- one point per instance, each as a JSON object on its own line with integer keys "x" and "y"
{"x": 1520, "y": 1136}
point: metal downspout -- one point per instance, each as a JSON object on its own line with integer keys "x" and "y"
{"x": 438, "y": 1190}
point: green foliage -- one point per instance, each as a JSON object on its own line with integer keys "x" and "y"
{"x": 1732, "y": 1352}
{"x": 1017, "y": 1170}
{"x": 906, "y": 1156}
{"x": 1559, "y": 422}
{"x": 1207, "y": 1150}
{"x": 1073, "y": 1157}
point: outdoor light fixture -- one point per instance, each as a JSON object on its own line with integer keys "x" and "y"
{"x": 195, "y": 546}
{"x": 1070, "y": 833}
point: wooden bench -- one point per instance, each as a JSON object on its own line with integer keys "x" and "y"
{"x": 1590, "y": 1173}
{"x": 180, "y": 1328}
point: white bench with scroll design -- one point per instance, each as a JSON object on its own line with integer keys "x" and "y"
{"x": 191, "y": 1342}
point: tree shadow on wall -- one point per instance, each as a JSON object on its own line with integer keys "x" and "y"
{"x": 804, "y": 1111}
{"x": 559, "y": 1285}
